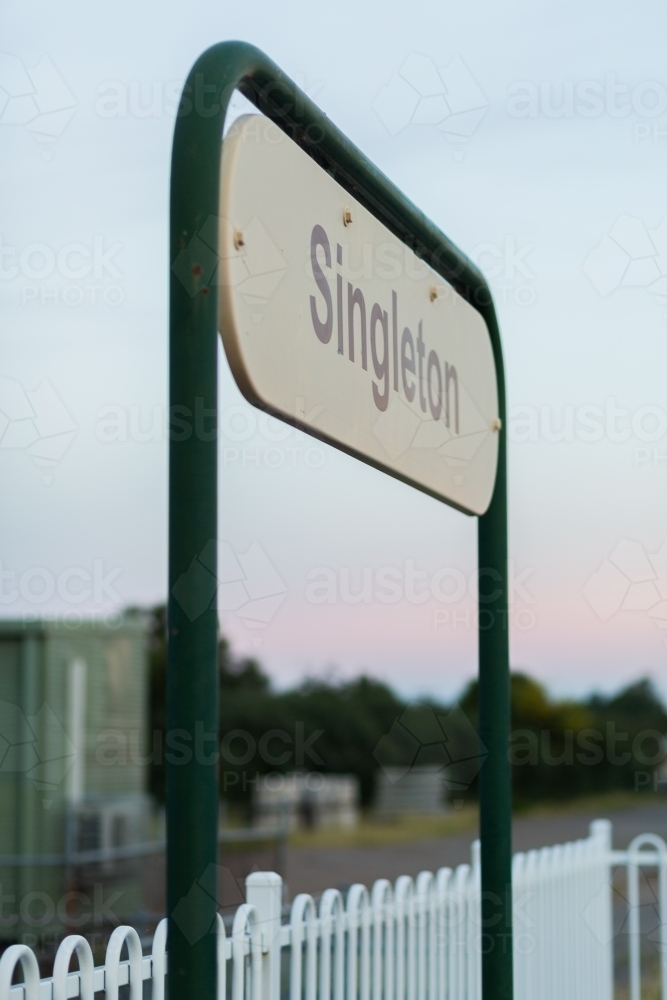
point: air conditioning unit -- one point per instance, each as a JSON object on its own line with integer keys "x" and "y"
{"x": 108, "y": 824}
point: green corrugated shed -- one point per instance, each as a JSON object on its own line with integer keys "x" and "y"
{"x": 73, "y": 775}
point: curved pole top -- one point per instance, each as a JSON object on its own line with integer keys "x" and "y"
{"x": 230, "y": 66}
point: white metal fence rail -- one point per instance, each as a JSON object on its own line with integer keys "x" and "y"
{"x": 417, "y": 939}
{"x": 636, "y": 858}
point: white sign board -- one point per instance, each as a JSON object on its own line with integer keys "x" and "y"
{"x": 334, "y": 324}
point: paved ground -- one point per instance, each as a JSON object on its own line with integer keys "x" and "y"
{"x": 310, "y": 869}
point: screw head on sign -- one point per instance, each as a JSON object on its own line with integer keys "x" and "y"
{"x": 433, "y": 293}
{"x": 347, "y": 217}
{"x": 239, "y": 241}
{"x": 496, "y": 424}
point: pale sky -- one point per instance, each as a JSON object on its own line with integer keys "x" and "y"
{"x": 535, "y": 136}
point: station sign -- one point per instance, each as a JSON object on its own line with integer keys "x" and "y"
{"x": 333, "y": 324}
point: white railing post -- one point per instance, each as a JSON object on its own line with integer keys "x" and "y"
{"x": 221, "y": 959}
{"x": 475, "y": 922}
{"x": 10, "y": 959}
{"x": 601, "y": 833}
{"x": 264, "y": 891}
{"x": 159, "y": 960}
{"x": 246, "y": 942}
{"x": 358, "y": 943}
{"x": 121, "y": 936}
{"x": 404, "y": 939}
{"x": 332, "y": 930}
{"x": 458, "y": 931}
{"x": 443, "y": 932}
{"x": 519, "y": 925}
{"x": 86, "y": 968}
{"x": 382, "y": 909}
{"x": 423, "y": 887}
{"x": 303, "y": 929}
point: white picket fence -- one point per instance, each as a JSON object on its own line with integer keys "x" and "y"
{"x": 417, "y": 939}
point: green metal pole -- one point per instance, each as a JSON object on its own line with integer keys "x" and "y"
{"x": 495, "y": 812}
{"x": 192, "y": 694}
{"x": 192, "y": 689}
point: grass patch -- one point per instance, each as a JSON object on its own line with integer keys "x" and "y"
{"x": 373, "y": 831}
{"x": 592, "y": 803}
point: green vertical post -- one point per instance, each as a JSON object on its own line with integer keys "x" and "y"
{"x": 495, "y": 813}
{"x": 192, "y": 689}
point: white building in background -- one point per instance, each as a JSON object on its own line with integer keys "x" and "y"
{"x": 307, "y": 799}
{"x": 418, "y": 790}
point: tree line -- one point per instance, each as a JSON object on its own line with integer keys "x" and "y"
{"x": 558, "y": 749}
